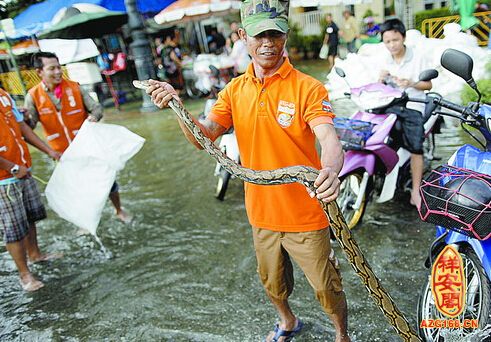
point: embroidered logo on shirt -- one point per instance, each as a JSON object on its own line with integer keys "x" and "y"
{"x": 326, "y": 106}
{"x": 286, "y": 113}
{"x": 71, "y": 99}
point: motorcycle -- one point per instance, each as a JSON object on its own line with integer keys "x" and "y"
{"x": 228, "y": 141}
{"x": 457, "y": 198}
{"x": 375, "y": 163}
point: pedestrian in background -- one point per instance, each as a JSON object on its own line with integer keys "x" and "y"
{"x": 331, "y": 38}
{"x": 172, "y": 60}
{"x": 239, "y": 53}
{"x": 402, "y": 67}
{"x": 350, "y": 31}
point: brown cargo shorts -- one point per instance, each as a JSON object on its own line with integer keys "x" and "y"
{"x": 313, "y": 254}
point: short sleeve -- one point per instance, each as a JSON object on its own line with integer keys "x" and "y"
{"x": 221, "y": 112}
{"x": 19, "y": 117}
{"x": 318, "y": 109}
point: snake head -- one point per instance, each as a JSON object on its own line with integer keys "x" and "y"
{"x": 141, "y": 84}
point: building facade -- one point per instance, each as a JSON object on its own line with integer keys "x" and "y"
{"x": 307, "y": 13}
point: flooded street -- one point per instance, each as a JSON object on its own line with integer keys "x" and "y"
{"x": 185, "y": 269}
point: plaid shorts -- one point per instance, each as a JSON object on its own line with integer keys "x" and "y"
{"x": 20, "y": 205}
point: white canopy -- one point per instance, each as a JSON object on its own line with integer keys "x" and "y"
{"x": 187, "y": 8}
{"x": 310, "y": 3}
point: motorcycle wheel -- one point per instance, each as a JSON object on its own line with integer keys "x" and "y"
{"x": 478, "y": 304}
{"x": 223, "y": 179}
{"x": 348, "y": 193}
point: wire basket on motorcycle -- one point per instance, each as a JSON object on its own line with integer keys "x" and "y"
{"x": 458, "y": 199}
{"x": 353, "y": 134}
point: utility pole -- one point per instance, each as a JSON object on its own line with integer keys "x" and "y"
{"x": 142, "y": 54}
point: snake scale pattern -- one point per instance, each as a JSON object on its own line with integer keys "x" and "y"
{"x": 306, "y": 175}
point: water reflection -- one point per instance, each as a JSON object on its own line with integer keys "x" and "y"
{"x": 184, "y": 269}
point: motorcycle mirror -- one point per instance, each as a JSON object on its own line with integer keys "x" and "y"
{"x": 461, "y": 65}
{"x": 458, "y": 63}
{"x": 340, "y": 72}
{"x": 428, "y": 75}
{"x": 214, "y": 71}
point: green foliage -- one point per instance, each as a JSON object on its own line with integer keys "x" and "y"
{"x": 369, "y": 13}
{"x": 304, "y": 44}
{"x": 313, "y": 43}
{"x": 428, "y": 14}
{"x": 294, "y": 37}
{"x": 390, "y": 10}
{"x": 468, "y": 95}
{"x": 323, "y": 25}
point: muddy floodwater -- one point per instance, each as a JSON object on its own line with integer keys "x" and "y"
{"x": 185, "y": 269}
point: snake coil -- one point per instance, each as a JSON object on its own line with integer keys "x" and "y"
{"x": 306, "y": 175}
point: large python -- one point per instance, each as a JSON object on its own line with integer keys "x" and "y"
{"x": 306, "y": 175}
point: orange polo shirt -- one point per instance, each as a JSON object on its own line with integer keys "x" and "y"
{"x": 273, "y": 121}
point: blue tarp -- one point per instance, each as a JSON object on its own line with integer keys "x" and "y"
{"x": 37, "y": 17}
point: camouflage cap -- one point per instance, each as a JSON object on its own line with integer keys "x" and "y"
{"x": 262, "y": 15}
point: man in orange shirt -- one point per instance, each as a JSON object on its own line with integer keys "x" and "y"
{"x": 277, "y": 113}
{"x": 62, "y": 106}
{"x": 20, "y": 201}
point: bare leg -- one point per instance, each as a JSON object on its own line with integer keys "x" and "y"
{"x": 331, "y": 62}
{"x": 340, "y": 321}
{"x": 32, "y": 247}
{"x": 288, "y": 319}
{"x": 417, "y": 176}
{"x": 18, "y": 253}
{"x": 120, "y": 213}
{"x": 32, "y": 243}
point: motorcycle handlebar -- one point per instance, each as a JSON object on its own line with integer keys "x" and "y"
{"x": 465, "y": 111}
{"x": 452, "y": 106}
{"x": 411, "y": 99}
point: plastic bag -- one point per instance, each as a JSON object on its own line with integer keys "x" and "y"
{"x": 324, "y": 51}
{"x": 79, "y": 186}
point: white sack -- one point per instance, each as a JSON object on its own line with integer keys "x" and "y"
{"x": 79, "y": 186}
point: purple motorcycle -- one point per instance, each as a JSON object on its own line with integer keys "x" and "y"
{"x": 375, "y": 163}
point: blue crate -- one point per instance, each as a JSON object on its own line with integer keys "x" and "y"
{"x": 353, "y": 134}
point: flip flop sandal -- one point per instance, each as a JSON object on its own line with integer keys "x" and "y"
{"x": 287, "y": 334}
